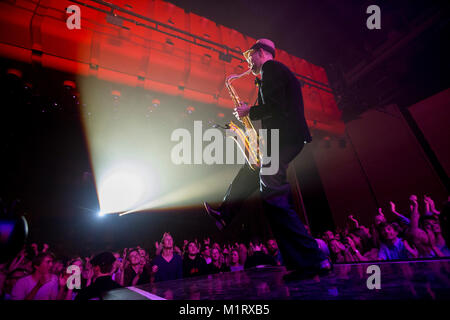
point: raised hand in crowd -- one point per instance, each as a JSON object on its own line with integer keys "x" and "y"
{"x": 413, "y": 203}
{"x": 158, "y": 247}
{"x": 352, "y": 252}
{"x": 64, "y": 292}
{"x": 380, "y": 218}
{"x": 354, "y": 221}
{"x": 415, "y": 215}
{"x": 125, "y": 261}
{"x": 400, "y": 216}
{"x": 430, "y": 207}
{"x": 18, "y": 260}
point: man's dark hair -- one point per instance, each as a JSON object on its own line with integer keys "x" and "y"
{"x": 37, "y": 261}
{"x": 256, "y": 241}
{"x": 192, "y": 241}
{"x": 105, "y": 261}
{"x": 132, "y": 250}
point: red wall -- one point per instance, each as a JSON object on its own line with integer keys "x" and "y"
{"x": 432, "y": 115}
{"x": 138, "y": 56}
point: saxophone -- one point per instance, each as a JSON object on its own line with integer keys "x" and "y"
{"x": 248, "y": 140}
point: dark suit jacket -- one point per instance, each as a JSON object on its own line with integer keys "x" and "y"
{"x": 98, "y": 289}
{"x": 280, "y": 104}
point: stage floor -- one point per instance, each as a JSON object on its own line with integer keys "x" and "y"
{"x": 398, "y": 280}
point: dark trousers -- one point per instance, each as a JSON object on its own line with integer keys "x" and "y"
{"x": 297, "y": 247}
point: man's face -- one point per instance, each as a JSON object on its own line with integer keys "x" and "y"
{"x": 234, "y": 256}
{"x": 215, "y": 255}
{"x": 432, "y": 225}
{"x": 79, "y": 264}
{"x": 57, "y": 267}
{"x": 192, "y": 249}
{"x": 255, "y": 61}
{"x": 389, "y": 233}
{"x": 334, "y": 246}
{"x": 207, "y": 251}
{"x": 168, "y": 241}
{"x": 272, "y": 246}
{"x": 46, "y": 265}
{"x": 135, "y": 258}
{"x": 328, "y": 235}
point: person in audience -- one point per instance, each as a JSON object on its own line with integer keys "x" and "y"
{"x": 11, "y": 280}
{"x": 193, "y": 264}
{"x": 168, "y": 265}
{"x": 433, "y": 228}
{"x": 58, "y": 267}
{"x": 41, "y": 285}
{"x": 258, "y": 258}
{"x": 70, "y": 294}
{"x": 35, "y": 274}
{"x": 419, "y": 237}
{"x": 337, "y": 250}
{"x": 392, "y": 247}
{"x": 273, "y": 251}
{"x": 234, "y": 261}
{"x": 206, "y": 253}
{"x": 135, "y": 272}
{"x": 217, "y": 264}
{"x": 117, "y": 267}
{"x": 103, "y": 267}
{"x": 243, "y": 253}
{"x": 351, "y": 252}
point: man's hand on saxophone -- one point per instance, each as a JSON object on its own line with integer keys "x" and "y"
{"x": 241, "y": 111}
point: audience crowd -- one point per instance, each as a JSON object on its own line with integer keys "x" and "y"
{"x": 36, "y": 274}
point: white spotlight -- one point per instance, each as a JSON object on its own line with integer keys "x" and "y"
{"x": 121, "y": 189}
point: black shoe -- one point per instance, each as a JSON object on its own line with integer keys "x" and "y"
{"x": 216, "y": 215}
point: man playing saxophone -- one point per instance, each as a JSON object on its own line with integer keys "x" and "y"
{"x": 280, "y": 107}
